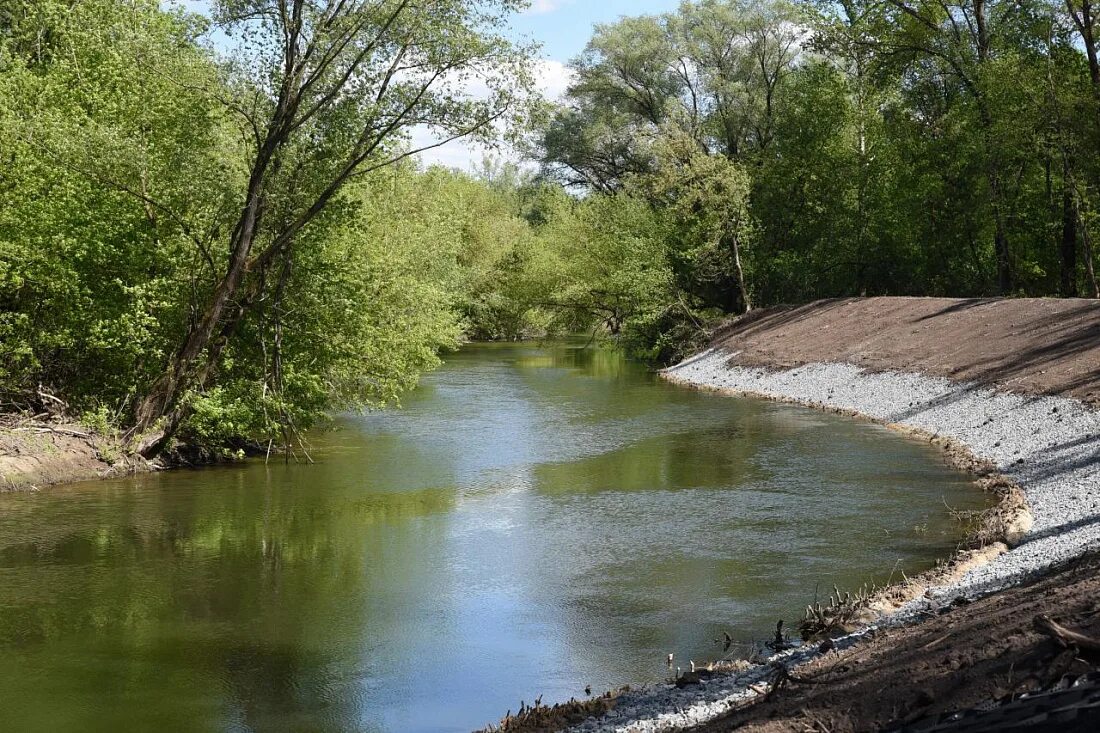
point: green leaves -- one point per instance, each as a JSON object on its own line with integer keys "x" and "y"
{"x": 119, "y": 174}
{"x": 127, "y": 148}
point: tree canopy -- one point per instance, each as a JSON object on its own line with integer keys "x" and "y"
{"x": 223, "y": 243}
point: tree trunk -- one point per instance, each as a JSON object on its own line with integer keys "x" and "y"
{"x": 1084, "y": 18}
{"x": 1086, "y": 239}
{"x": 1000, "y": 246}
{"x": 1069, "y": 236}
{"x": 746, "y": 301}
{"x": 150, "y": 430}
{"x": 993, "y": 170}
{"x": 157, "y": 415}
{"x": 153, "y": 439}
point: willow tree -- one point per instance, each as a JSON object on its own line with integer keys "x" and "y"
{"x": 714, "y": 69}
{"x": 709, "y": 196}
{"x": 329, "y": 91}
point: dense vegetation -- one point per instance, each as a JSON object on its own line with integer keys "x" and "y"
{"x": 224, "y": 240}
{"x": 860, "y": 147}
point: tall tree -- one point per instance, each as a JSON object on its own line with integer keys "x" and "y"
{"x": 1085, "y": 19}
{"x": 330, "y": 90}
{"x": 959, "y": 39}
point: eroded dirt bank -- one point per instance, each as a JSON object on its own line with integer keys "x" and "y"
{"x": 1029, "y": 345}
{"x": 35, "y": 454}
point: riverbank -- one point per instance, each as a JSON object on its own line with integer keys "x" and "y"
{"x": 962, "y": 658}
{"x": 35, "y": 453}
{"x": 1011, "y": 385}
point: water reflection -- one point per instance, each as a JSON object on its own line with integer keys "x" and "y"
{"x": 535, "y": 520}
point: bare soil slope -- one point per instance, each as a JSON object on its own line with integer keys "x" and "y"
{"x": 34, "y": 454}
{"x": 1036, "y": 346}
{"x": 971, "y": 654}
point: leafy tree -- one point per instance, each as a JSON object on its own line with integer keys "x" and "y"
{"x": 709, "y": 197}
{"x": 333, "y": 86}
{"x": 103, "y": 238}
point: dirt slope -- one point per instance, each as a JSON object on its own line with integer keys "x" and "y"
{"x": 35, "y": 454}
{"x": 970, "y": 655}
{"x": 1037, "y": 346}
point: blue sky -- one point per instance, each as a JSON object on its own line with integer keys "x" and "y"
{"x": 564, "y": 26}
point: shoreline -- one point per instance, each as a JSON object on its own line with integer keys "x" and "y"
{"x": 35, "y": 454}
{"x": 1040, "y": 453}
{"x": 995, "y": 531}
{"x": 1047, "y": 446}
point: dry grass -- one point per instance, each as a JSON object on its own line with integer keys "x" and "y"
{"x": 539, "y": 718}
{"x": 842, "y": 614}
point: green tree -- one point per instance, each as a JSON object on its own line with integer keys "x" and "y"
{"x": 331, "y": 90}
{"x": 708, "y": 195}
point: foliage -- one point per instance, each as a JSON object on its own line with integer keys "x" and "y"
{"x": 907, "y": 148}
{"x": 227, "y": 243}
{"x": 131, "y": 151}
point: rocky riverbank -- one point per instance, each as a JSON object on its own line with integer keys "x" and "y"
{"x": 1013, "y": 385}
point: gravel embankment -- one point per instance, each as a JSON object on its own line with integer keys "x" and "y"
{"x": 1050, "y": 446}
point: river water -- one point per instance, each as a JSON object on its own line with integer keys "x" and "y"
{"x": 535, "y": 520}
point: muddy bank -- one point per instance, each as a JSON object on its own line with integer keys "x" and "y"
{"x": 35, "y": 454}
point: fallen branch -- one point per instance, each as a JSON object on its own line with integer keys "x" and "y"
{"x": 1064, "y": 636}
{"x": 47, "y": 397}
{"x": 59, "y": 431}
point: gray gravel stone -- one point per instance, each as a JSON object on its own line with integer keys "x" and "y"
{"x": 1049, "y": 445}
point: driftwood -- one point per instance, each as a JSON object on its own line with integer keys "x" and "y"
{"x": 58, "y": 431}
{"x": 1066, "y": 637}
{"x": 840, "y": 615}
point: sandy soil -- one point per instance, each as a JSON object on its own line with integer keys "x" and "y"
{"x": 1035, "y": 346}
{"x": 969, "y": 655}
{"x": 34, "y": 454}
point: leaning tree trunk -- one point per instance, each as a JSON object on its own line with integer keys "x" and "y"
{"x": 166, "y": 410}
{"x": 158, "y": 414}
{"x": 151, "y": 428}
{"x": 739, "y": 270}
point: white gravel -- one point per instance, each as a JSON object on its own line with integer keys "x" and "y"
{"x": 1049, "y": 445}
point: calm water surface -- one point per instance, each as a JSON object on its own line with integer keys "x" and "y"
{"x": 534, "y": 520}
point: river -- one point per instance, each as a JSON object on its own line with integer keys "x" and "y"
{"x": 534, "y": 520}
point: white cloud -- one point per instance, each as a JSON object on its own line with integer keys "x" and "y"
{"x": 540, "y": 7}
{"x": 552, "y": 78}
